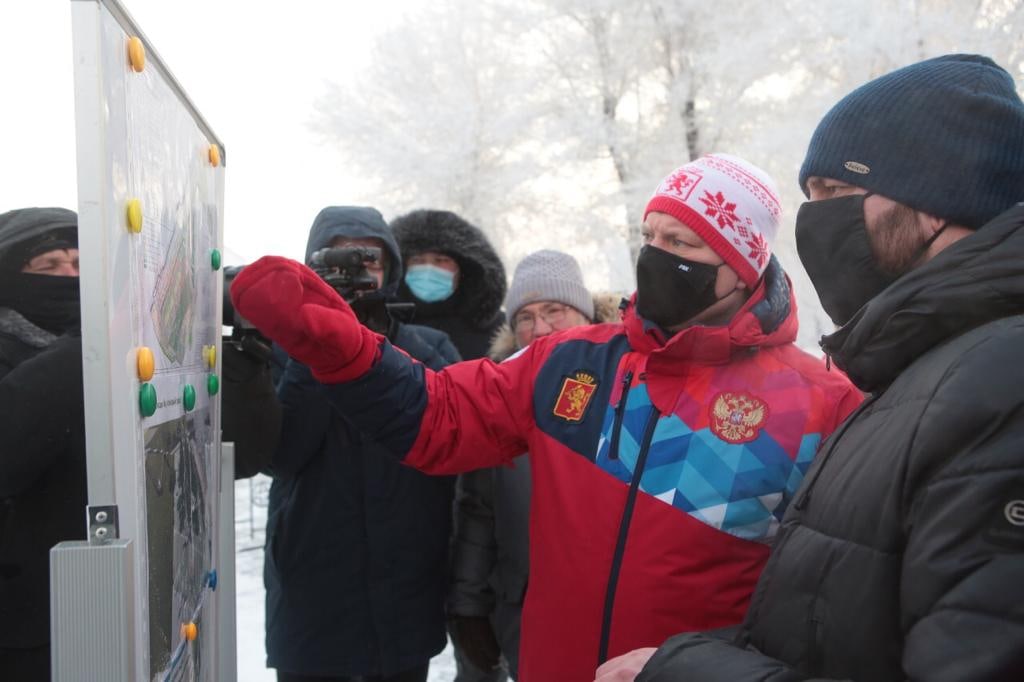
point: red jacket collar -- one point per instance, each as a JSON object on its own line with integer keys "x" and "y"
{"x": 708, "y": 345}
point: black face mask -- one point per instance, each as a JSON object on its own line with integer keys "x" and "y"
{"x": 834, "y": 247}
{"x": 50, "y": 302}
{"x": 671, "y": 290}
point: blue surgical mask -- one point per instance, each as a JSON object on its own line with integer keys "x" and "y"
{"x": 430, "y": 283}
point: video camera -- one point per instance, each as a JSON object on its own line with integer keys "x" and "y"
{"x": 344, "y": 268}
{"x": 244, "y": 336}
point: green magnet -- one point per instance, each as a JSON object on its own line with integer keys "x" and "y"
{"x": 215, "y": 259}
{"x": 212, "y": 384}
{"x": 147, "y": 400}
{"x": 188, "y": 398}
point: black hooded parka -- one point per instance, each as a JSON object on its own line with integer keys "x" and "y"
{"x": 357, "y": 543}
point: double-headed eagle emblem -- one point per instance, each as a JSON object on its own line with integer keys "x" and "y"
{"x": 737, "y": 417}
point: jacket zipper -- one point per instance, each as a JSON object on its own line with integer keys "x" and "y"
{"x": 627, "y": 516}
{"x": 620, "y": 411}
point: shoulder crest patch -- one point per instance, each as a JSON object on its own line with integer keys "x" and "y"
{"x": 574, "y": 398}
{"x": 737, "y": 417}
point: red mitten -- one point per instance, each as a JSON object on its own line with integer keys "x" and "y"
{"x": 301, "y": 313}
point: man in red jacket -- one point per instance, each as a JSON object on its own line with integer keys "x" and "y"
{"x": 664, "y": 450}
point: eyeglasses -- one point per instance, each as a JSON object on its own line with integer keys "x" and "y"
{"x": 553, "y": 315}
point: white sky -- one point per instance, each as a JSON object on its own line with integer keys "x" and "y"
{"x": 253, "y": 68}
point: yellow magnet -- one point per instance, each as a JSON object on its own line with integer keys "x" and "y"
{"x": 136, "y": 54}
{"x": 134, "y": 216}
{"x": 214, "y": 155}
{"x": 210, "y": 355}
{"x": 145, "y": 363}
{"x": 189, "y": 631}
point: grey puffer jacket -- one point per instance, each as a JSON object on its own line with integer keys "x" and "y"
{"x": 903, "y": 554}
{"x": 490, "y": 552}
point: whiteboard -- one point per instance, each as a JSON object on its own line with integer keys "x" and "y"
{"x": 150, "y": 200}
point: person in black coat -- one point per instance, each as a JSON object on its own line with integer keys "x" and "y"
{"x": 42, "y": 426}
{"x": 357, "y": 544}
{"x": 902, "y": 555}
{"x": 454, "y": 277}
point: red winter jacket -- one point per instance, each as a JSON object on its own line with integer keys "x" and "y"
{"x": 660, "y": 470}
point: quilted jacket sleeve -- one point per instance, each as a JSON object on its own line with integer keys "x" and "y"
{"x": 714, "y": 657}
{"x": 961, "y": 592}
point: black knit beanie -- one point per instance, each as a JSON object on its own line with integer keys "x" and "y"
{"x": 27, "y": 232}
{"x": 944, "y": 136}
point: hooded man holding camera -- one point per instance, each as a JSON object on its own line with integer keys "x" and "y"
{"x": 357, "y": 543}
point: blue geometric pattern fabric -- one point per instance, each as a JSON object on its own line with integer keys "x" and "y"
{"x": 740, "y": 488}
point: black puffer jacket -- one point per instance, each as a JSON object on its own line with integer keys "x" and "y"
{"x": 903, "y": 555}
{"x": 472, "y": 316}
{"x": 42, "y": 470}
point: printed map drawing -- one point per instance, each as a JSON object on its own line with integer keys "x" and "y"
{"x": 172, "y": 311}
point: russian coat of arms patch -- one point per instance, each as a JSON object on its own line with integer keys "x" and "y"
{"x": 737, "y": 417}
{"x": 573, "y": 399}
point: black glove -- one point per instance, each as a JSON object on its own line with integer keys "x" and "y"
{"x": 474, "y": 636}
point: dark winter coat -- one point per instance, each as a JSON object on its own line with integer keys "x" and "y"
{"x": 42, "y": 470}
{"x": 472, "y": 316}
{"x": 903, "y": 554}
{"x": 490, "y": 549}
{"x": 357, "y": 544}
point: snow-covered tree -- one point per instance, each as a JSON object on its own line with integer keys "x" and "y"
{"x": 549, "y": 122}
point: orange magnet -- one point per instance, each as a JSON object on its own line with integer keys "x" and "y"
{"x": 214, "y": 155}
{"x": 134, "y": 216}
{"x": 144, "y": 363}
{"x": 136, "y": 54}
{"x": 189, "y": 631}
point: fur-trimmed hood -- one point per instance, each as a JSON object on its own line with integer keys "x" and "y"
{"x": 482, "y": 283}
{"x": 606, "y": 309}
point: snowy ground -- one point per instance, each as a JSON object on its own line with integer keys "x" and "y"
{"x": 250, "y": 523}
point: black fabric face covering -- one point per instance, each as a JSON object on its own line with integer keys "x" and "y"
{"x": 50, "y": 302}
{"x": 670, "y": 289}
{"x": 834, "y": 247}
{"x": 832, "y": 241}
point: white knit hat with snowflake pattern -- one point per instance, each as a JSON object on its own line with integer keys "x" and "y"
{"x": 732, "y": 204}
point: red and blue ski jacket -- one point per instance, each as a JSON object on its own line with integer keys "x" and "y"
{"x": 660, "y": 469}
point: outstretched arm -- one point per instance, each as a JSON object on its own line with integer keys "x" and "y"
{"x": 470, "y": 415}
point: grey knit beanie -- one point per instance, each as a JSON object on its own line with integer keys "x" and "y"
{"x": 548, "y": 276}
{"x": 944, "y": 136}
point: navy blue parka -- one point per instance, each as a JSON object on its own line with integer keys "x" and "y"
{"x": 357, "y": 543}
